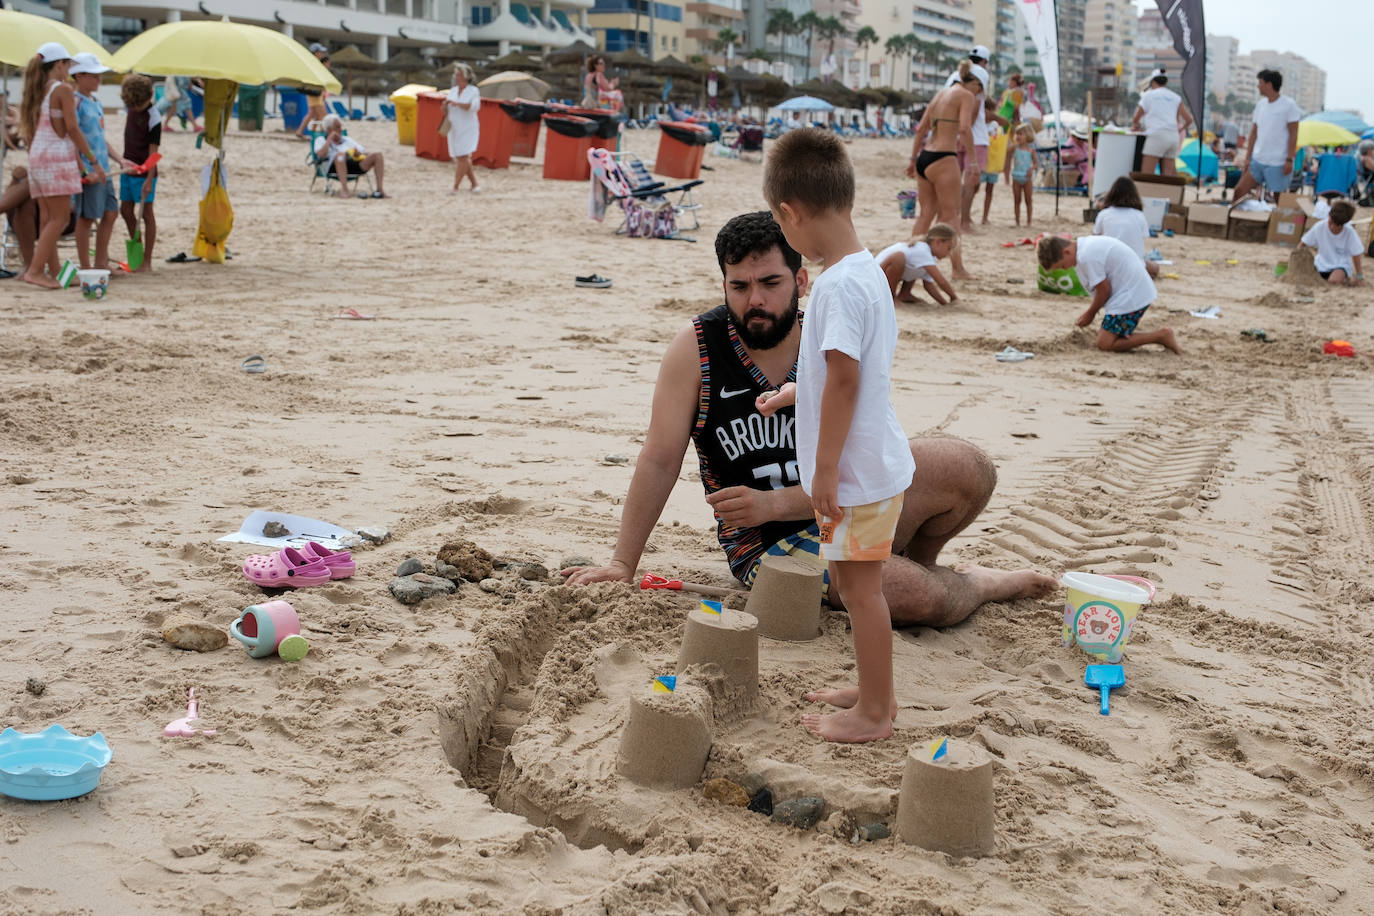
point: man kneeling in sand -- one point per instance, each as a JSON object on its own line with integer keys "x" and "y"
{"x": 713, "y": 371}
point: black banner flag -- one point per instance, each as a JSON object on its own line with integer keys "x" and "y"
{"x": 1184, "y": 21}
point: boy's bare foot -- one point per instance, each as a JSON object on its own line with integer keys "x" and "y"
{"x": 843, "y": 697}
{"x": 1170, "y": 342}
{"x": 846, "y": 726}
{"x": 41, "y": 280}
{"x": 907, "y": 297}
{"x": 962, "y": 275}
{"x": 1005, "y": 585}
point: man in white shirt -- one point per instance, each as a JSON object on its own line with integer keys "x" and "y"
{"x": 979, "y": 55}
{"x": 1273, "y": 138}
{"x": 1163, "y": 118}
{"x": 348, "y": 157}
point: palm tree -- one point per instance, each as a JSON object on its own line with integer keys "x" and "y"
{"x": 865, "y": 38}
{"x": 896, "y": 47}
{"x": 914, "y": 47}
{"x": 808, "y": 22}
{"x": 782, "y": 23}
{"x": 725, "y": 41}
{"x": 831, "y": 29}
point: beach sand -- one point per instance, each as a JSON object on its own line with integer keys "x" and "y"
{"x": 459, "y": 755}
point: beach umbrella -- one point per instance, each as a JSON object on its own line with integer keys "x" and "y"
{"x": 1324, "y": 133}
{"x": 406, "y": 63}
{"x": 22, "y": 33}
{"x": 515, "y": 60}
{"x": 350, "y": 58}
{"x": 1345, "y": 119}
{"x": 512, "y": 84}
{"x": 219, "y": 49}
{"x": 806, "y": 103}
{"x": 1187, "y": 160}
{"x": 575, "y": 53}
{"x": 671, "y": 66}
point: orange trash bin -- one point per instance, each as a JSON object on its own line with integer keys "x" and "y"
{"x": 496, "y": 136}
{"x": 607, "y": 134}
{"x": 565, "y": 148}
{"x": 429, "y": 143}
{"x": 681, "y": 146}
{"x": 527, "y": 116}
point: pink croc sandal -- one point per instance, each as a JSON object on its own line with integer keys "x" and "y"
{"x": 339, "y": 562}
{"x": 287, "y": 568}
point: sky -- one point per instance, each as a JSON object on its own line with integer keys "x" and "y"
{"x": 1333, "y": 34}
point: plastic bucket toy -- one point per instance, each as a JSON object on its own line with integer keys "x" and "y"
{"x": 94, "y": 283}
{"x": 263, "y": 627}
{"x": 1099, "y": 611}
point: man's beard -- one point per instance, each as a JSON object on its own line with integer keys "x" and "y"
{"x": 773, "y": 333}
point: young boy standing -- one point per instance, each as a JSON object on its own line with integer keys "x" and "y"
{"x": 142, "y": 137}
{"x": 1338, "y": 246}
{"x": 853, "y": 458}
{"x": 97, "y": 203}
{"x": 1117, "y": 278}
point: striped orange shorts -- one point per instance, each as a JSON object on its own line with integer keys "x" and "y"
{"x": 861, "y": 533}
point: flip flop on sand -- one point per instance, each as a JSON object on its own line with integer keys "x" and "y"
{"x": 354, "y": 315}
{"x": 1012, "y": 355}
{"x": 182, "y": 257}
{"x": 254, "y": 365}
{"x": 595, "y": 281}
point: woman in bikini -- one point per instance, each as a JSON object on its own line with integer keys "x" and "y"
{"x": 48, "y": 115}
{"x": 949, "y": 123}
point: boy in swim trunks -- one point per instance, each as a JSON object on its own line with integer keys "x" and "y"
{"x": 906, "y": 262}
{"x": 853, "y": 458}
{"x": 1119, "y": 283}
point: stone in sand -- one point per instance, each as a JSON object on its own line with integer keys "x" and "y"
{"x": 274, "y": 530}
{"x": 762, "y": 802}
{"x": 726, "y": 792}
{"x": 474, "y": 563}
{"x": 786, "y": 598}
{"x": 36, "y": 686}
{"x": 376, "y": 535}
{"x": 667, "y": 737}
{"x": 871, "y": 832}
{"x": 947, "y": 804}
{"x": 534, "y": 572}
{"x": 410, "y": 566}
{"x": 444, "y": 571}
{"x": 802, "y": 813}
{"x": 416, "y": 588}
{"x": 187, "y": 632}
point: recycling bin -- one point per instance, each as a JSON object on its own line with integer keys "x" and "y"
{"x": 294, "y": 107}
{"x": 565, "y": 147}
{"x": 429, "y": 113}
{"x": 527, "y": 117}
{"x": 681, "y": 146}
{"x": 250, "y": 107}
{"x": 406, "y": 110}
{"x": 496, "y": 135}
{"x": 607, "y": 134}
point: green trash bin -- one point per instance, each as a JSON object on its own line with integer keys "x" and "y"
{"x": 251, "y": 101}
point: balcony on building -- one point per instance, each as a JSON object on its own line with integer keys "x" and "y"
{"x": 548, "y": 25}
{"x": 716, "y": 10}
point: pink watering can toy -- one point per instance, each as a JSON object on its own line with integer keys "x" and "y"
{"x": 270, "y": 628}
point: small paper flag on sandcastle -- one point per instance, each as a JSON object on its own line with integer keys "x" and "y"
{"x": 711, "y": 607}
{"x": 939, "y": 748}
{"x": 665, "y": 683}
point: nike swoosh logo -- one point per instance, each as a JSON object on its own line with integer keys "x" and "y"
{"x": 726, "y": 393}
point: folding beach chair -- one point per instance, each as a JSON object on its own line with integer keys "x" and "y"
{"x": 750, "y": 141}
{"x": 388, "y": 111}
{"x": 323, "y": 167}
{"x": 648, "y": 213}
{"x": 641, "y": 183}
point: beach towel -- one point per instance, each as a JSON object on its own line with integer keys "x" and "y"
{"x": 1063, "y": 280}
{"x": 216, "y": 220}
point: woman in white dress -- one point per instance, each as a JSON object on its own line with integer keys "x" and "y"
{"x": 461, "y": 107}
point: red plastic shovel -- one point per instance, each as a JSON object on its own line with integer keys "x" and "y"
{"x": 651, "y": 581}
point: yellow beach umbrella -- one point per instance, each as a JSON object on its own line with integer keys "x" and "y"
{"x": 22, "y": 33}
{"x": 1324, "y": 133}
{"x": 213, "y": 49}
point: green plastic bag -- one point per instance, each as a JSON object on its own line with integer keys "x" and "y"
{"x": 1063, "y": 280}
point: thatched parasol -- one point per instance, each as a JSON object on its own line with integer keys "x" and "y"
{"x": 575, "y": 53}
{"x": 461, "y": 51}
{"x": 407, "y": 63}
{"x": 515, "y": 60}
{"x": 351, "y": 59}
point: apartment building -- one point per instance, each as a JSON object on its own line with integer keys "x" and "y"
{"x": 654, "y": 29}
{"x": 1222, "y": 51}
{"x": 948, "y": 23}
{"x": 704, "y": 21}
{"x": 1109, "y": 36}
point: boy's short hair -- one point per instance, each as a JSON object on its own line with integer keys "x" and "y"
{"x": 809, "y": 167}
{"x": 1272, "y": 77}
{"x": 136, "y": 90}
{"x": 753, "y": 233}
{"x": 1051, "y": 249}
{"x": 1342, "y": 212}
{"x": 941, "y": 232}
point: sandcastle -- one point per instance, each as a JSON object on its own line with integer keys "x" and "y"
{"x": 947, "y": 804}
{"x": 729, "y": 640}
{"x": 786, "y": 598}
{"x": 667, "y": 737}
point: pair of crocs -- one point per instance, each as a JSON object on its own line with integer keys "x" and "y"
{"x": 314, "y": 564}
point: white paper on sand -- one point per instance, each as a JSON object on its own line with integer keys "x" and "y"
{"x": 1211, "y": 311}
{"x": 301, "y": 529}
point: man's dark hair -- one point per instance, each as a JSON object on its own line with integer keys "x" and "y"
{"x": 1272, "y": 77}
{"x": 1159, "y": 79}
{"x": 753, "y": 233}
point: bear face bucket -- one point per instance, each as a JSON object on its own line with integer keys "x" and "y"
{"x": 1099, "y": 611}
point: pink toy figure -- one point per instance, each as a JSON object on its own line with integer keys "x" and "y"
{"x": 185, "y": 727}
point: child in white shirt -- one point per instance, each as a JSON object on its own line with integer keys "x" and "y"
{"x": 906, "y": 262}
{"x": 1123, "y": 218}
{"x": 853, "y": 458}
{"x": 1338, "y": 246}
{"x": 1119, "y": 284}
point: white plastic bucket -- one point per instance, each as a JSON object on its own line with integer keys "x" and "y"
{"x": 1099, "y": 611}
{"x": 94, "y": 283}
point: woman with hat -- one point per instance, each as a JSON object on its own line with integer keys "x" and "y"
{"x": 1080, "y": 153}
{"x": 48, "y": 115}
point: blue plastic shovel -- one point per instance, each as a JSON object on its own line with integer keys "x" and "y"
{"x": 1104, "y": 678}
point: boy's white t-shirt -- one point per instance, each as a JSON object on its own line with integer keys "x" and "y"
{"x": 1161, "y": 109}
{"x": 1271, "y": 129}
{"x": 850, "y": 310}
{"x": 918, "y": 258}
{"x": 1335, "y": 251}
{"x": 1125, "y": 224}
{"x": 1101, "y": 257}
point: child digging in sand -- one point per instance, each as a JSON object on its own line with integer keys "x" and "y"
{"x": 1337, "y": 245}
{"x": 1119, "y": 284}
{"x": 853, "y": 458}
{"x": 906, "y": 262}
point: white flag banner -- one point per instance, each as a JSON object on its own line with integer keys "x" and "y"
{"x": 1040, "y": 23}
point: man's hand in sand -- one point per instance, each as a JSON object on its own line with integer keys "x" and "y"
{"x": 615, "y": 571}
{"x": 772, "y": 401}
{"x": 1086, "y": 318}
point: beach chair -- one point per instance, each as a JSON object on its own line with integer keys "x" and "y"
{"x": 338, "y": 108}
{"x": 323, "y": 167}
{"x": 637, "y": 174}
{"x": 749, "y": 140}
{"x": 388, "y": 111}
{"x": 647, "y": 211}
